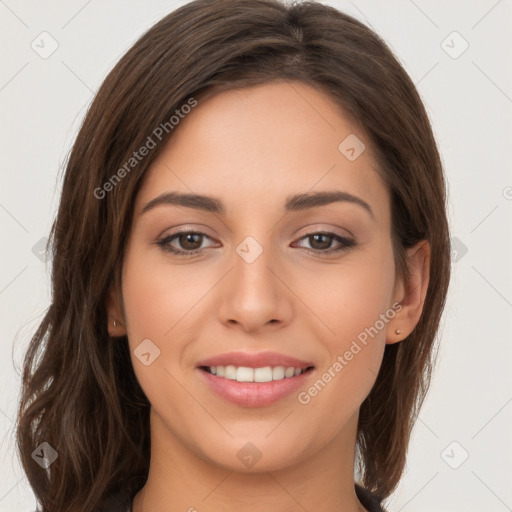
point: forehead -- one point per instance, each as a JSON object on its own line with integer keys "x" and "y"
{"x": 264, "y": 142}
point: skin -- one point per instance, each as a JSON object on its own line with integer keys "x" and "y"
{"x": 286, "y": 142}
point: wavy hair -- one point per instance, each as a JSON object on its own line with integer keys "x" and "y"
{"x": 79, "y": 390}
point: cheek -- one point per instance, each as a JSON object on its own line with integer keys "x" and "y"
{"x": 350, "y": 297}
{"x": 159, "y": 305}
{"x": 353, "y": 304}
{"x": 156, "y": 297}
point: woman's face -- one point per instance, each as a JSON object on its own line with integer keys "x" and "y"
{"x": 259, "y": 280}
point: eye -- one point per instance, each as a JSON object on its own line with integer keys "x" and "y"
{"x": 321, "y": 242}
{"x": 190, "y": 242}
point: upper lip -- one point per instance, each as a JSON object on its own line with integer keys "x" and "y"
{"x": 254, "y": 360}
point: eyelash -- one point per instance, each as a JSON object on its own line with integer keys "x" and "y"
{"x": 164, "y": 243}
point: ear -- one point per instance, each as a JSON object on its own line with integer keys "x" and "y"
{"x": 115, "y": 313}
{"x": 410, "y": 294}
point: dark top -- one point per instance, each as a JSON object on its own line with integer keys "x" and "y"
{"x": 122, "y": 502}
{"x": 369, "y": 500}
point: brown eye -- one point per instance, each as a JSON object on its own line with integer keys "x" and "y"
{"x": 189, "y": 241}
{"x": 321, "y": 242}
{"x": 184, "y": 243}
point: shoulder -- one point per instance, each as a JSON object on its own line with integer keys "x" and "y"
{"x": 370, "y": 501}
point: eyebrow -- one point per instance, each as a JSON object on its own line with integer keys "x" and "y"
{"x": 294, "y": 203}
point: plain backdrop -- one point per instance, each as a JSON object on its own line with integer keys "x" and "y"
{"x": 458, "y": 53}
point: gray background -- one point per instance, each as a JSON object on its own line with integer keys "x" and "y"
{"x": 468, "y": 412}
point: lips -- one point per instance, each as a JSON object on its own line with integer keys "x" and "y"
{"x": 255, "y": 360}
{"x": 255, "y": 394}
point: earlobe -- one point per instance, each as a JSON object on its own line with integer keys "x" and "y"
{"x": 413, "y": 293}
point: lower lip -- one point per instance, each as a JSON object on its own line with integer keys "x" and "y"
{"x": 254, "y": 394}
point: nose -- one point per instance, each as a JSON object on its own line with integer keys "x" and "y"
{"x": 255, "y": 293}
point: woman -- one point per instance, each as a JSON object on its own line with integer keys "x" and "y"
{"x": 250, "y": 263}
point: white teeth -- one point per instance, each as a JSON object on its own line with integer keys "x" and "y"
{"x": 265, "y": 374}
{"x": 289, "y": 372}
{"x": 246, "y": 374}
{"x": 230, "y": 372}
{"x": 278, "y": 373}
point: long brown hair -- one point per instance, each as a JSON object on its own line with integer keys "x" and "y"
{"x": 80, "y": 394}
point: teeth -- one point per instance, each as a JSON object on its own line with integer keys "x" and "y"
{"x": 245, "y": 374}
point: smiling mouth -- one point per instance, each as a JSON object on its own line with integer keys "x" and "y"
{"x": 255, "y": 375}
